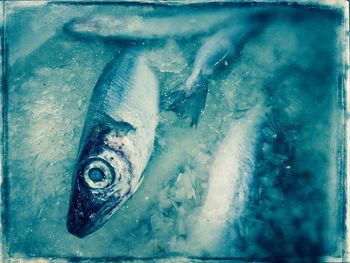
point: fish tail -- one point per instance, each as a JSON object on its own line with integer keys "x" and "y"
{"x": 189, "y": 104}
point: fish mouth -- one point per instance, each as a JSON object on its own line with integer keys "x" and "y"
{"x": 80, "y": 230}
{"x": 81, "y": 224}
{"x": 87, "y": 213}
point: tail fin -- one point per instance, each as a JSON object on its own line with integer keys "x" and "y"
{"x": 189, "y": 105}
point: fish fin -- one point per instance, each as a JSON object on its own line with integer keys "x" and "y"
{"x": 191, "y": 105}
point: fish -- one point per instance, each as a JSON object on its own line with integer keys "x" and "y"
{"x": 230, "y": 178}
{"x": 159, "y": 25}
{"x": 213, "y": 57}
{"x": 116, "y": 143}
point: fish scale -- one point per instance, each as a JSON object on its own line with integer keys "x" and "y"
{"x": 114, "y": 87}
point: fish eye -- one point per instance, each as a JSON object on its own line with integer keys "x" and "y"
{"x": 98, "y": 174}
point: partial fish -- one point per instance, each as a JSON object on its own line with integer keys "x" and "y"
{"x": 217, "y": 52}
{"x": 230, "y": 176}
{"x": 116, "y": 143}
{"x": 160, "y": 25}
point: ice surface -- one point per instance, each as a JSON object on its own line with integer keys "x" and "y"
{"x": 264, "y": 154}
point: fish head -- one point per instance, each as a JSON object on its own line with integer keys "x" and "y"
{"x": 101, "y": 182}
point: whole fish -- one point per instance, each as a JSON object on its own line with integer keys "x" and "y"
{"x": 217, "y": 52}
{"x": 116, "y": 143}
{"x": 152, "y": 26}
{"x": 230, "y": 176}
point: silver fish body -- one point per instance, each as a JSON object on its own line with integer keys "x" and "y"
{"x": 230, "y": 178}
{"x": 214, "y": 51}
{"x": 213, "y": 57}
{"x": 159, "y": 25}
{"x": 116, "y": 143}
